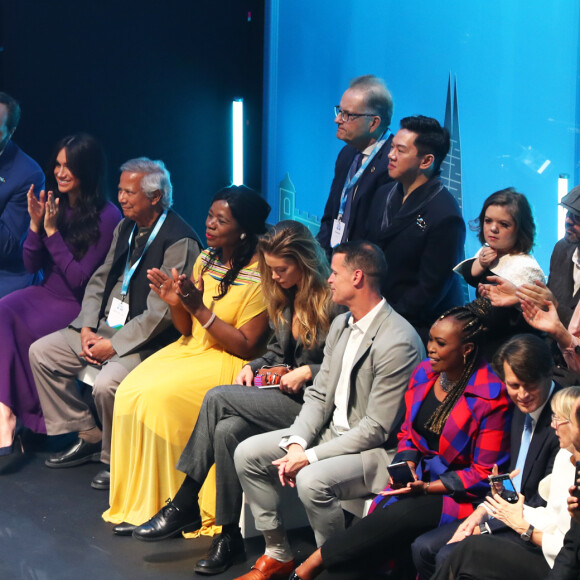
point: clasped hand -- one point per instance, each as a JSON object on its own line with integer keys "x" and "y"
{"x": 95, "y": 349}
{"x": 289, "y": 465}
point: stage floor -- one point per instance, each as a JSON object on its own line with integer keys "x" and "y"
{"x": 51, "y": 529}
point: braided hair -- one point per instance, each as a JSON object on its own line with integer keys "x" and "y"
{"x": 472, "y": 317}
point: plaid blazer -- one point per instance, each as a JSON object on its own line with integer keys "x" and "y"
{"x": 475, "y": 436}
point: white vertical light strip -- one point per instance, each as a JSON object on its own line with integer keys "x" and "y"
{"x": 562, "y": 191}
{"x": 238, "y": 142}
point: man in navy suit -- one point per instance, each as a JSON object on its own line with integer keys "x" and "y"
{"x": 525, "y": 364}
{"x": 363, "y": 118}
{"x": 17, "y": 173}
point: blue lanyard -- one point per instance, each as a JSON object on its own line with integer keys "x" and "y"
{"x": 130, "y": 271}
{"x": 350, "y": 183}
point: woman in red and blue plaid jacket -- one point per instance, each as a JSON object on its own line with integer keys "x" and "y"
{"x": 456, "y": 427}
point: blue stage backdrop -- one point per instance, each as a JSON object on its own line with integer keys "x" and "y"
{"x": 514, "y": 66}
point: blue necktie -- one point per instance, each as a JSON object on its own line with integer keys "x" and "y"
{"x": 354, "y": 167}
{"x": 524, "y": 448}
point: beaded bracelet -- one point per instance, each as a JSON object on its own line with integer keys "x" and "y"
{"x": 209, "y": 322}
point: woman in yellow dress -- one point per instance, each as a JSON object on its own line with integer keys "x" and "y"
{"x": 221, "y": 315}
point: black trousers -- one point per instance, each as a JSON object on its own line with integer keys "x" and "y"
{"x": 386, "y": 534}
{"x": 502, "y": 557}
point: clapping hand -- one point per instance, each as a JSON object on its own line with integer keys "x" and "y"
{"x": 500, "y": 292}
{"x": 544, "y": 320}
{"x": 36, "y": 208}
{"x": 165, "y": 287}
{"x": 536, "y": 293}
{"x": 190, "y": 295}
{"x": 51, "y": 214}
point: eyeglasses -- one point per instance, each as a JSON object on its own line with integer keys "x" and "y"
{"x": 574, "y": 217}
{"x": 558, "y": 420}
{"x": 347, "y": 117}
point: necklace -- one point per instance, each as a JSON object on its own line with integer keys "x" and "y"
{"x": 445, "y": 383}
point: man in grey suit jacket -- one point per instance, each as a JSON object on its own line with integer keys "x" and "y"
{"x": 122, "y": 321}
{"x": 337, "y": 448}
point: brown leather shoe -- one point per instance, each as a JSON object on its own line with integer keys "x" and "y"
{"x": 267, "y": 568}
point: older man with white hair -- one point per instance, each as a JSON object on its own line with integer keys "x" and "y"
{"x": 122, "y": 321}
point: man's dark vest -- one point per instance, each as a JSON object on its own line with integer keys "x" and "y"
{"x": 173, "y": 229}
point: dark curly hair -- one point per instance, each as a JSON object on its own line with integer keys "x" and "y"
{"x": 86, "y": 160}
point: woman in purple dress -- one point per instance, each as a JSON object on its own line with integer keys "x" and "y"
{"x": 69, "y": 236}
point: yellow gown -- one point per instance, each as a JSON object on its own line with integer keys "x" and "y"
{"x": 158, "y": 403}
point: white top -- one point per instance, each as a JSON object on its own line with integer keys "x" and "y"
{"x": 515, "y": 268}
{"x": 341, "y": 395}
{"x": 554, "y": 519}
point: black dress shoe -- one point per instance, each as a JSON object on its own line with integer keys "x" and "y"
{"x": 225, "y": 550}
{"x": 168, "y": 522}
{"x": 123, "y": 529}
{"x": 80, "y": 452}
{"x": 102, "y": 480}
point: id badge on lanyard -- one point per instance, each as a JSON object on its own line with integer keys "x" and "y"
{"x": 338, "y": 225}
{"x": 119, "y": 308}
{"x": 118, "y": 314}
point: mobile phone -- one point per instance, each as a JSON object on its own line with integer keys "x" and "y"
{"x": 576, "y": 478}
{"x": 400, "y": 472}
{"x": 504, "y": 487}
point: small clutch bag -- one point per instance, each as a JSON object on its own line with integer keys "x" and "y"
{"x": 270, "y": 375}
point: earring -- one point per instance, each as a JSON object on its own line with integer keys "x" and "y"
{"x": 243, "y": 236}
{"x": 464, "y": 359}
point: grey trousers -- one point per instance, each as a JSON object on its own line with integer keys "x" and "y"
{"x": 55, "y": 366}
{"x": 320, "y": 485}
{"x": 228, "y": 415}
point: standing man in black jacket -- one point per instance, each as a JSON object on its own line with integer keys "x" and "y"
{"x": 419, "y": 227}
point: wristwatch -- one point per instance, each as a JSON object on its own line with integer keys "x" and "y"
{"x": 527, "y": 535}
{"x": 484, "y": 528}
